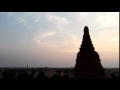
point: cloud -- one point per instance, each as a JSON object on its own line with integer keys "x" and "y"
{"x": 39, "y": 38}
{"x": 29, "y": 18}
{"x": 22, "y": 20}
{"x": 84, "y": 14}
{"x": 108, "y": 19}
{"x": 37, "y": 18}
{"x": 53, "y": 33}
{"x": 56, "y": 19}
{"x": 100, "y": 27}
{"x": 45, "y": 34}
{"x": 10, "y": 14}
{"x": 2, "y": 12}
{"x": 96, "y": 20}
{"x": 115, "y": 39}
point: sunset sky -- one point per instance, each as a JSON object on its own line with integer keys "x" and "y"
{"x": 53, "y": 39}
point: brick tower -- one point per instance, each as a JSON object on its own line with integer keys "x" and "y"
{"x": 88, "y": 62}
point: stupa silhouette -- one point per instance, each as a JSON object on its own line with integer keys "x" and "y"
{"x": 88, "y": 62}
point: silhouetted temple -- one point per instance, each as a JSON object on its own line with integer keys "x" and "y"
{"x": 88, "y": 61}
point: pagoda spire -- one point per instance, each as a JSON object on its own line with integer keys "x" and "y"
{"x": 88, "y": 61}
{"x": 86, "y": 43}
{"x": 86, "y": 30}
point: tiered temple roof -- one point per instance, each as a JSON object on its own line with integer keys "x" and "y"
{"x": 88, "y": 61}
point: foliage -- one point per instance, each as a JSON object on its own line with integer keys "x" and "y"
{"x": 55, "y": 76}
{"x": 41, "y": 75}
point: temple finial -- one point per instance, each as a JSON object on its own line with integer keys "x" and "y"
{"x": 86, "y": 30}
{"x": 86, "y": 27}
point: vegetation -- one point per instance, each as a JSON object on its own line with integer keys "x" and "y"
{"x": 42, "y": 73}
{"x": 55, "y": 76}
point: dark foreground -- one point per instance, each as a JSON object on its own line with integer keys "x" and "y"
{"x": 44, "y": 73}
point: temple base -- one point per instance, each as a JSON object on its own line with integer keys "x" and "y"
{"x": 88, "y": 69}
{"x": 88, "y": 75}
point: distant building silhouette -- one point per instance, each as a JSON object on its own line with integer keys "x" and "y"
{"x": 88, "y": 62}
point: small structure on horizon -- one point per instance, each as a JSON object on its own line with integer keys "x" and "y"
{"x": 88, "y": 62}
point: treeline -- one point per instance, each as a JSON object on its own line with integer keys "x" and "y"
{"x": 21, "y": 73}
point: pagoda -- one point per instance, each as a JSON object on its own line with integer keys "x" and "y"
{"x": 88, "y": 61}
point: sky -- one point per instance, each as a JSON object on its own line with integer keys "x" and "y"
{"x": 53, "y": 39}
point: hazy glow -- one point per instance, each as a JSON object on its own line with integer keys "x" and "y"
{"x": 53, "y": 39}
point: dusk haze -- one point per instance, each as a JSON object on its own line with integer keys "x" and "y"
{"x": 53, "y": 39}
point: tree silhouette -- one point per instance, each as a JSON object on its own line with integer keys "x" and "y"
{"x": 6, "y": 74}
{"x": 55, "y": 76}
{"x": 41, "y": 75}
{"x": 59, "y": 72}
{"x": 30, "y": 76}
{"x": 65, "y": 76}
